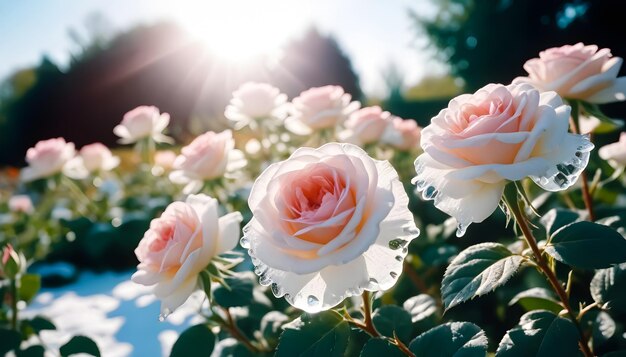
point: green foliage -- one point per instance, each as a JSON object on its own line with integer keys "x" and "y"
{"x": 608, "y": 287}
{"x": 476, "y": 271}
{"x": 39, "y": 324}
{"x": 453, "y": 339}
{"x": 537, "y": 299}
{"x": 9, "y": 340}
{"x": 237, "y": 292}
{"x": 540, "y": 333}
{"x": 391, "y": 319}
{"x": 420, "y": 307}
{"x": 587, "y": 245}
{"x": 322, "y": 334}
{"x": 195, "y": 341}
{"x": 80, "y": 344}
{"x": 377, "y": 347}
{"x": 29, "y": 286}
{"x": 557, "y": 218}
{"x": 32, "y": 351}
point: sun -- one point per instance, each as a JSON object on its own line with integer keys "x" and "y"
{"x": 240, "y": 30}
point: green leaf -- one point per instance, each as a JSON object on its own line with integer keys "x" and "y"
{"x": 420, "y": 307}
{"x": 608, "y": 286}
{"x": 39, "y": 324}
{"x": 322, "y": 334}
{"x": 195, "y": 341}
{"x": 557, "y": 218}
{"x": 32, "y": 351}
{"x": 9, "y": 340}
{"x": 439, "y": 255}
{"x": 603, "y": 328}
{"x": 240, "y": 293}
{"x": 606, "y": 124}
{"x": 271, "y": 325}
{"x": 587, "y": 245}
{"x": 454, "y": 339}
{"x": 540, "y": 333}
{"x": 377, "y": 347}
{"x": 29, "y": 286}
{"x": 537, "y": 299}
{"x": 80, "y": 344}
{"x": 477, "y": 270}
{"x": 390, "y": 318}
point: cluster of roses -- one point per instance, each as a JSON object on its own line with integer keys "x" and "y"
{"x": 330, "y": 221}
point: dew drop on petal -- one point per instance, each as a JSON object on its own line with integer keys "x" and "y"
{"x": 393, "y": 274}
{"x": 399, "y": 258}
{"x": 373, "y": 281}
{"x": 429, "y": 193}
{"x": 405, "y": 250}
{"x": 461, "y": 229}
{"x": 265, "y": 280}
{"x": 276, "y": 290}
{"x": 396, "y": 244}
{"x": 312, "y": 300}
{"x": 166, "y": 312}
{"x": 245, "y": 242}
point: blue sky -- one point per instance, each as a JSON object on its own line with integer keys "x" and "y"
{"x": 374, "y": 33}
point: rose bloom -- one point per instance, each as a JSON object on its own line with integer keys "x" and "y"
{"x": 209, "y": 156}
{"x": 165, "y": 159}
{"x": 47, "y": 158}
{"x": 615, "y": 153}
{"x": 577, "y": 72}
{"x": 97, "y": 157}
{"x": 143, "y": 122}
{"x": 365, "y": 126}
{"x": 21, "y": 203}
{"x": 319, "y": 108}
{"x": 180, "y": 244}
{"x": 255, "y": 101}
{"x": 402, "y": 134}
{"x": 481, "y": 141}
{"x": 328, "y": 223}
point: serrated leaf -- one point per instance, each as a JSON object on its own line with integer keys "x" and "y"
{"x": 390, "y": 318}
{"x": 608, "y": 286}
{"x": 322, "y": 334}
{"x": 240, "y": 292}
{"x": 477, "y": 270}
{"x": 540, "y": 333}
{"x": 377, "y": 347}
{"x": 420, "y": 307}
{"x": 557, "y": 218}
{"x": 195, "y": 341}
{"x": 80, "y": 344}
{"x": 9, "y": 340}
{"x": 453, "y": 339}
{"x": 587, "y": 245}
{"x": 537, "y": 299}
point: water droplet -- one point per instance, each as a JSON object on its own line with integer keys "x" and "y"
{"x": 276, "y": 290}
{"x": 265, "y": 280}
{"x": 312, "y": 300}
{"x": 564, "y": 169}
{"x": 429, "y": 193}
{"x": 419, "y": 168}
{"x": 561, "y": 180}
{"x": 405, "y": 250}
{"x": 397, "y": 244}
{"x": 373, "y": 281}
{"x": 164, "y": 314}
{"x": 399, "y": 258}
{"x": 393, "y": 274}
{"x": 579, "y": 154}
{"x": 245, "y": 242}
{"x": 461, "y": 229}
{"x": 412, "y": 231}
{"x": 420, "y": 184}
{"x": 544, "y": 181}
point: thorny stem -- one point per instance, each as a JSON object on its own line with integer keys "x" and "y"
{"x": 368, "y": 326}
{"x": 583, "y": 176}
{"x": 520, "y": 218}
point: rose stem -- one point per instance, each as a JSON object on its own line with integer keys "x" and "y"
{"x": 14, "y": 303}
{"x": 510, "y": 194}
{"x": 231, "y": 326}
{"x": 575, "y": 124}
{"x": 415, "y": 278}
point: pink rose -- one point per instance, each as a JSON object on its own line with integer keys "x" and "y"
{"x": 143, "y": 122}
{"x": 255, "y": 101}
{"x": 328, "y": 223}
{"x": 577, "y": 72}
{"x": 481, "y": 141}
{"x": 180, "y": 244}
{"x": 97, "y": 157}
{"x": 365, "y": 126}
{"x": 21, "y": 203}
{"x": 402, "y": 134}
{"x": 319, "y": 108}
{"x": 47, "y": 158}
{"x": 165, "y": 159}
{"x": 209, "y": 156}
{"x": 615, "y": 153}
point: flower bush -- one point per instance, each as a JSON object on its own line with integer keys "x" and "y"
{"x": 330, "y": 198}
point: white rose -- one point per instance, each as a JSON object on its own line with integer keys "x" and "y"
{"x": 328, "y": 223}
{"x": 47, "y": 158}
{"x": 615, "y": 153}
{"x": 255, "y": 101}
{"x": 143, "y": 122}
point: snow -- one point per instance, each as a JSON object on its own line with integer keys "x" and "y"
{"x": 121, "y": 316}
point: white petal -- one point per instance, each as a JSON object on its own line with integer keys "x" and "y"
{"x": 614, "y": 93}
{"x": 229, "y": 231}
{"x": 171, "y": 302}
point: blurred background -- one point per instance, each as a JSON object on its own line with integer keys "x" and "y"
{"x": 73, "y": 70}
